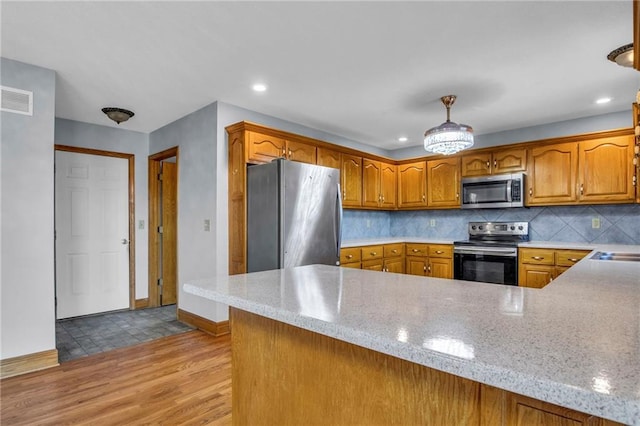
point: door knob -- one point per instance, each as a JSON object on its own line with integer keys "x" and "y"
{"x": 125, "y": 241}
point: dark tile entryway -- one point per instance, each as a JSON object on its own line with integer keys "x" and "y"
{"x": 82, "y": 336}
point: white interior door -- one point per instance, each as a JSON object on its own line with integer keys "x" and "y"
{"x": 92, "y": 234}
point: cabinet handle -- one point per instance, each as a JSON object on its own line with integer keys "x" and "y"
{"x": 415, "y": 250}
{"x": 530, "y": 191}
{"x": 457, "y": 195}
{"x": 383, "y": 198}
{"x": 429, "y": 269}
{"x": 284, "y": 152}
{"x": 537, "y": 258}
{"x": 425, "y": 268}
{"x": 488, "y": 164}
{"x": 439, "y": 252}
{"x": 581, "y": 189}
{"x": 495, "y": 164}
{"x": 373, "y": 253}
{"x": 344, "y": 195}
{"x": 394, "y": 251}
{"x": 423, "y": 197}
{"x": 571, "y": 259}
{"x": 349, "y": 256}
{"x": 290, "y": 154}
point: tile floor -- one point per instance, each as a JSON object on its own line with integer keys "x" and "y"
{"x": 82, "y": 336}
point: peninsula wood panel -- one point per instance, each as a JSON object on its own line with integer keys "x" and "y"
{"x": 286, "y": 375}
{"x": 412, "y": 182}
{"x": 605, "y": 170}
{"x": 237, "y": 204}
{"x": 443, "y": 183}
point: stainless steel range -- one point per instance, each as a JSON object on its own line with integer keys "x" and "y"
{"x": 491, "y": 253}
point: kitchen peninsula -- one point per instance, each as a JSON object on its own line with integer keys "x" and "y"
{"x": 328, "y": 345}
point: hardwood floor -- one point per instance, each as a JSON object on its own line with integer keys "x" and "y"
{"x": 181, "y": 379}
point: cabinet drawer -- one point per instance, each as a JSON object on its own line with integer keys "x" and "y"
{"x": 393, "y": 250}
{"x": 537, "y": 256}
{"x": 372, "y": 252}
{"x": 569, "y": 257}
{"x": 417, "y": 249}
{"x": 349, "y": 255}
{"x": 441, "y": 250}
{"x": 354, "y": 265}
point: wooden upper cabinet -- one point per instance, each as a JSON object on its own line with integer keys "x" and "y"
{"x": 606, "y": 170}
{"x": 494, "y": 162}
{"x": 302, "y": 152}
{"x": 351, "y": 177}
{"x": 264, "y": 148}
{"x": 371, "y": 196}
{"x": 551, "y": 174}
{"x": 388, "y": 185}
{"x": 378, "y": 184}
{"x": 329, "y": 158}
{"x": 443, "y": 183}
{"x": 412, "y": 182}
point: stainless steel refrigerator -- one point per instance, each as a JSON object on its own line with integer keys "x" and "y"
{"x": 294, "y": 212}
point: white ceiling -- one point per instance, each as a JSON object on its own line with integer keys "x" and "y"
{"x": 369, "y": 71}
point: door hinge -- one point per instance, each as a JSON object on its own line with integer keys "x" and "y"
{"x": 159, "y": 176}
{"x": 160, "y": 229}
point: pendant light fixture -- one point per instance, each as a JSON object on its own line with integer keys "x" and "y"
{"x": 118, "y": 114}
{"x": 449, "y": 137}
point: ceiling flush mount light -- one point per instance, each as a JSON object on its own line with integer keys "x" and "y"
{"x": 402, "y": 139}
{"x": 449, "y": 137}
{"x": 118, "y": 114}
{"x": 622, "y": 56}
{"x": 258, "y": 87}
{"x": 603, "y": 100}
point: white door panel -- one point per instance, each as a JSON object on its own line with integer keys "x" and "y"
{"x": 92, "y": 234}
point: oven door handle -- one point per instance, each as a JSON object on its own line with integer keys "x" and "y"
{"x": 490, "y": 251}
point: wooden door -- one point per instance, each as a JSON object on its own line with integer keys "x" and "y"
{"x": 443, "y": 183}
{"x": 302, "y": 152}
{"x": 92, "y": 233}
{"x": 476, "y": 164}
{"x": 551, "y": 174}
{"x": 440, "y": 268}
{"x": 525, "y": 411}
{"x": 509, "y": 160}
{"x": 351, "y": 175}
{"x": 416, "y": 266}
{"x": 412, "y": 182}
{"x": 169, "y": 235}
{"x": 329, "y": 158}
{"x": 264, "y": 148}
{"x": 371, "y": 196}
{"x": 536, "y": 276}
{"x": 373, "y": 265}
{"x": 606, "y": 170}
{"x": 394, "y": 264}
{"x": 388, "y": 185}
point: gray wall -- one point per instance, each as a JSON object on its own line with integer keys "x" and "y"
{"x": 26, "y": 234}
{"x": 108, "y": 138}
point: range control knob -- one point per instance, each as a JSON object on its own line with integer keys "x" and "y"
{"x": 480, "y": 227}
{"x": 473, "y": 227}
{"x": 513, "y": 227}
{"x": 520, "y": 227}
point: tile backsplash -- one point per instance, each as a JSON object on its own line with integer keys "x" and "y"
{"x": 619, "y": 224}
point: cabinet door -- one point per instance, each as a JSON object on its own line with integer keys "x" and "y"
{"x": 371, "y": 196}
{"x": 525, "y": 411}
{"x": 329, "y": 158}
{"x": 412, "y": 191}
{"x": 416, "y": 266}
{"x": 388, "y": 185}
{"x": 351, "y": 175}
{"x": 302, "y": 152}
{"x": 440, "y": 268}
{"x": 536, "y": 276}
{"x": 443, "y": 183}
{"x": 394, "y": 264}
{"x": 476, "y": 164}
{"x": 509, "y": 160}
{"x": 265, "y": 148}
{"x": 373, "y": 265}
{"x": 551, "y": 175}
{"x": 606, "y": 170}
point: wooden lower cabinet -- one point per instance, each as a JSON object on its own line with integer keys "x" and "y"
{"x": 314, "y": 379}
{"x": 373, "y": 265}
{"x": 433, "y": 260}
{"x": 383, "y": 258}
{"x": 538, "y": 267}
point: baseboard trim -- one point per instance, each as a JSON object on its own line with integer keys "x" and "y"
{"x": 28, "y": 363}
{"x": 141, "y": 303}
{"x": 216, "y": 328}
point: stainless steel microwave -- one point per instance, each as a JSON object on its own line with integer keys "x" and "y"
{"x": 497, "y": 191}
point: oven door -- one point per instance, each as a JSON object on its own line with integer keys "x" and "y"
{"x": 498, "y": 265}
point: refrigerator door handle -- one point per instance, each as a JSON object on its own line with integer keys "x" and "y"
{"x": 338, "y": 223}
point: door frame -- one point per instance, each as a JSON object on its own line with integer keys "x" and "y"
{"x": 155, "y": 161}
{"x": 132, "y": 204}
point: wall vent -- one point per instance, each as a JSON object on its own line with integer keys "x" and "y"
{"x": 16, "y": 100}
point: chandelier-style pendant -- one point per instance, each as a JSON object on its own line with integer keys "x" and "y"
{"x": 449, "y": 137}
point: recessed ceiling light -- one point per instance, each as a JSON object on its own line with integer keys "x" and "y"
{"x": 603, "y": 100}
{"x": 402, "y": 139}
{"x": 259, "y": 87}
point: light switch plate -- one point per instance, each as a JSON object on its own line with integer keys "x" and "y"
{"x": 432, "y": 223}
{"x": 141, "y": 224}
{"x": 207, "y": 225}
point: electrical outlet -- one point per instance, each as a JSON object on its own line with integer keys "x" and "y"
{"x": 207, "y": 225}
{"x": 141, "y": 224}
{"x": 368, "y": 223}
{"x": 595, "y": 223}
{"x": 432, "y": 223}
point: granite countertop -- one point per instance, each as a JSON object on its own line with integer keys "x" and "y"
{"x": 575, "y": 343}
{"x": 531, "y": 244}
